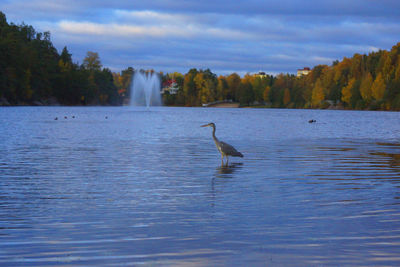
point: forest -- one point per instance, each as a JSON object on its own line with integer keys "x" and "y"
{"x": 362, "y": 82}
{"x": 33, "y": 72}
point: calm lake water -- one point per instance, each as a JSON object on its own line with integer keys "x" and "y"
{"x": 130, "y": 186}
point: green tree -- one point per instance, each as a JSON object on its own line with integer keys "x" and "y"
{"x": 65, "y": 56}
{"x": 245, "y": 93}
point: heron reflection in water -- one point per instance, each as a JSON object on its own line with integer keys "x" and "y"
{"x": 225, "y": 149}
{"x": 228, "y": 171}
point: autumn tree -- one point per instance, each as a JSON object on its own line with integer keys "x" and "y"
{"x": 33, "y": 71}
{"x": 201, "y": 84}
{"x": 123, "y": 81}
{"x": 189, "y": 87}
{"x": 397, "y": 70}
{"x": 378, "y": 87}
{"x": 347, "y": 91}
{"x": 266, "y": 94}
{"x": 286, "y": 97}
{"x": 357, "y": 66}
{"x": 386, "y": 66}
{"x": 92, "y": 61}
{"x": 222, "y": 88}
{"x": 317, "y": 94}
{"x": 365, "y": 87}
{"x": 233, "y": 81}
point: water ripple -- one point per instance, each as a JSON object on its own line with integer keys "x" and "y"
{"x": 147, "y": 187}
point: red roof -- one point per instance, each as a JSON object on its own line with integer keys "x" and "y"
{"x": 168, "y": 83}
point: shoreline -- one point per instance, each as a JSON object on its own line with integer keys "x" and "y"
{"x": 214, "y": 106}
{"x": 52, "y": 102}
{"x": 224, "y": 105}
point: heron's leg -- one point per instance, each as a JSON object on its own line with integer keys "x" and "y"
{"x": 222, "y": 160}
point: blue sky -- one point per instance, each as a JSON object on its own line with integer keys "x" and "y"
{"x": 242, "y": 36}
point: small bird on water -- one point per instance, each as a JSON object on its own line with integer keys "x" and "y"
{"x": 224, "y": 148}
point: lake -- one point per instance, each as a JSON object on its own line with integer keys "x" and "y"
{"x": 137, "y": 186}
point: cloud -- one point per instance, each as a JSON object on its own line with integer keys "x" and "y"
{"x": 154, "y": 25}
{"x": 151, "y": 17}
{"x": 113, "y": 30}
{"x": 336, "y": 8}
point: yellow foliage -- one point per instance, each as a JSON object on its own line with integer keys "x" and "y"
{"x": 347, "y": 91}
{"x": 365, "y": 87}
{"x": 397, "y": 71}
{"x": 378, "y": 87}
{"x": 248, "y": 78}
{"x": 317, "y": 94}
{"x": 340, "y": 69}
{"x": 387, "y": 67}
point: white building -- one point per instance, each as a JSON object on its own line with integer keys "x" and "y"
{"x": 171, "y": 86}
{"x": 260, "y": 74}
{"x": 303, "y": 71}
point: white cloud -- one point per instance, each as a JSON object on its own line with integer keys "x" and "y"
{"x": 90, "y": 28}
{"x": 151, "y": 17}
{"x": 167, "y": 30}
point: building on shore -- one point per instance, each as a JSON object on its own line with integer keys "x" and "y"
{"x": 260, "y": 74}
{"x": 303, "y": 71}
{"x": 170, "y": 86}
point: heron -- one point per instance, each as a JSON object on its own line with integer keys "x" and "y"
{"x": 224, "y": 148}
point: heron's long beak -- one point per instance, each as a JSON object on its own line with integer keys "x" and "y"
{"x": 205, "y": 125}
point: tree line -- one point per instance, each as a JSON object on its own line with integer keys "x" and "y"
{"x": 362, "y": 82}
{"x": 32, "y": 71}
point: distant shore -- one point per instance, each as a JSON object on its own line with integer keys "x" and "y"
{"x": 224, "y": 105}
{"x": 53, "y": 102}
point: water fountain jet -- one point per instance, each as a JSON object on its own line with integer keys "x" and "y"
{"x": 145, "y": 89}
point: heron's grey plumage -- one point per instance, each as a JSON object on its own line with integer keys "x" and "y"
{"x": 224, "y": 148}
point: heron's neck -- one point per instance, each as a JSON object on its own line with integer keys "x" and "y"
{"x": 213, "y": 135}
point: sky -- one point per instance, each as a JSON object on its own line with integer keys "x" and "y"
{"x": 242, "y": 36}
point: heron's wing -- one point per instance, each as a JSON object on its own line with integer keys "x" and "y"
{"x": 229, "y": 150}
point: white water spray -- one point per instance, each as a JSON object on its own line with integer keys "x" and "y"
{"x": 145, "y": 89}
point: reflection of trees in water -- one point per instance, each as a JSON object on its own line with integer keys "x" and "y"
{"x": 376, "y": 155}
{"x": 393, "y": 159}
